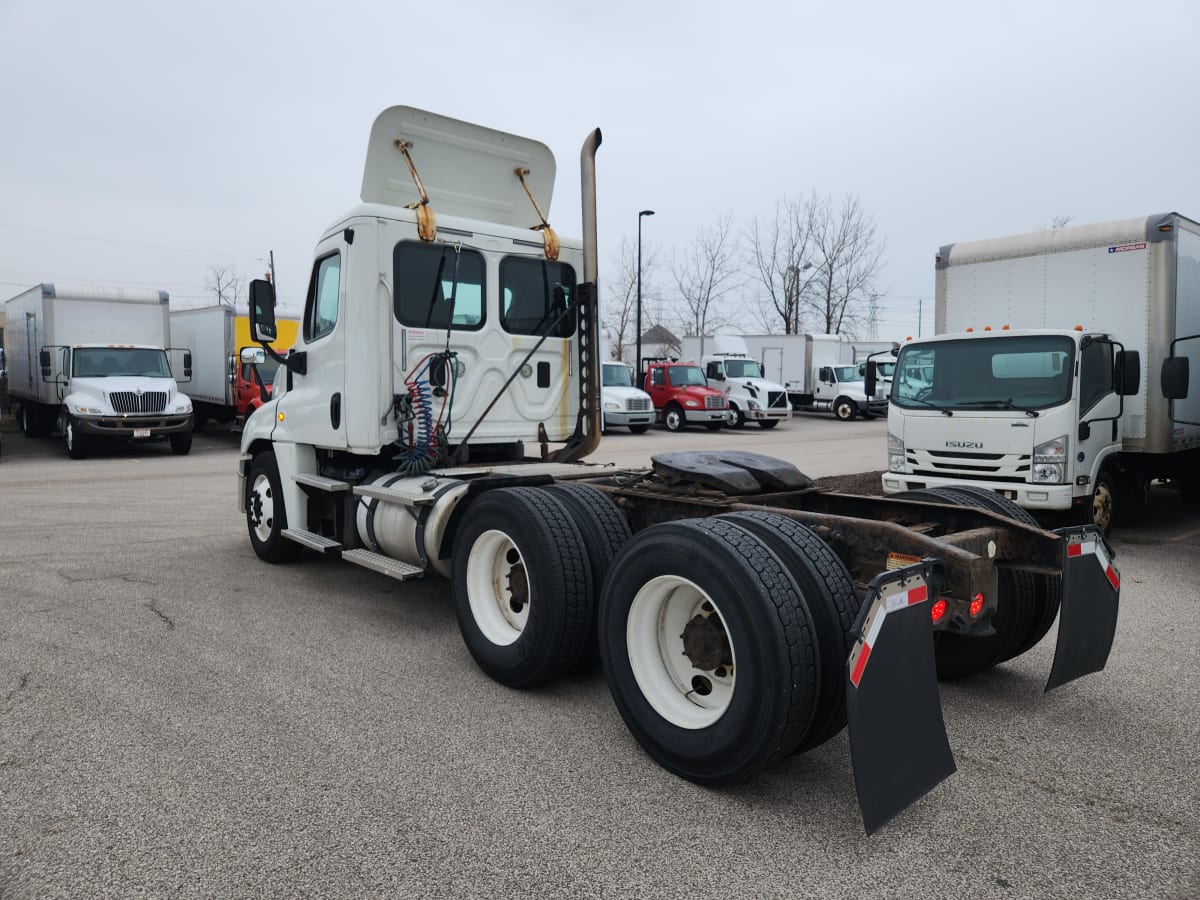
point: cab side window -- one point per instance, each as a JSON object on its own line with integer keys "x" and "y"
{"x": 1095, "y": 374}
{"x": 324, "y": 293}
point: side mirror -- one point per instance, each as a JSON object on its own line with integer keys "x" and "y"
{"x": 1175, "y": 376}
{"x": 44, "y": 362}
{"x": 262, "y": 311}
{"x": 870, "y": 378}
{"x": 1128, "y": 372}
{"x": 253, "y": 355}
{"x": 187, "y": 363}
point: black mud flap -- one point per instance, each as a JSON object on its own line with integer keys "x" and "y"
{"x": 897, "y": 737}
{"x": 1091, "y": 593}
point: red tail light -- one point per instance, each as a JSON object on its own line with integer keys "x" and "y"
{"x": 977, "y": 605}
{"x": 938, "y": 611}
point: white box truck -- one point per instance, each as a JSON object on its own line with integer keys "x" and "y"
{"x": 820, "y": 372}
{"x": 93, "y": 364}
{"x": 731, "y": 369}
{"x": 1059, "y": 373}
{"x": 624, "y": 404}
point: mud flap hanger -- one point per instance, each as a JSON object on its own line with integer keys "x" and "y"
{"x": 898, "y": 740}
{"x": 1091, "y": 592}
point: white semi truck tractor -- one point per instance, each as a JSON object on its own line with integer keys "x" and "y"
{"x": 437, "y": 413}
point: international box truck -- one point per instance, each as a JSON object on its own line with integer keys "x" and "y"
{"x": 92, "y": 364}
{"x": 1058, "y": 376}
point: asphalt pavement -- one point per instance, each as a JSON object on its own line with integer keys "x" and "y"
{"x": 178, "y": 718}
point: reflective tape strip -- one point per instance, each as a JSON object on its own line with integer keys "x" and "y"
{"x": 1086, "y": 548}
{"x": 1082, "y": 548}
{"x": 918, "y": 594}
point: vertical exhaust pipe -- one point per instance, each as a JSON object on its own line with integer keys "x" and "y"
{"x": 587, "y": 429}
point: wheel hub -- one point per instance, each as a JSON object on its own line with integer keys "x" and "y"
{"x": 518, "y": 588}
{"x": 705, "y": 643}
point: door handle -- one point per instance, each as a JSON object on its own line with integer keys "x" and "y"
{"x": 335, "y": 411}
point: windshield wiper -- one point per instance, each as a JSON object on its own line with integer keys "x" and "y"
{"x": 941, "y": 409}
{"x": 1002, "y": 404}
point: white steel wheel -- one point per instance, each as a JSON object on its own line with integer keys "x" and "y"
{"x": 680, "y": 652}
{"x": 266, "y": 512}
{"x": 261, "y": 508}
{"x": 498, "y": 587}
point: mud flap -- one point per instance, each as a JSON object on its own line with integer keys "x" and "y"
{"x": 1091, "y": 593}
{"x": 897, "y": 737}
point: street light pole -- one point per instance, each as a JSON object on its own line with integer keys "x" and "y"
{"x": 638, "y": 362}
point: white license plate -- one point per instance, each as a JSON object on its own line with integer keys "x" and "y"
{"x": 141, "y": 432}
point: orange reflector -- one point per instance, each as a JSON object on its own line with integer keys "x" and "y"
{"x": 977, "y": 605}
{"x": 1004, "y": 328}
{"x": 970, "y": 329}
{"x": 938, "y": 610}
{"x": 987, "y": 327}
{"x": 1079, "y": 328}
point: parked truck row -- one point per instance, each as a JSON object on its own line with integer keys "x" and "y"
{"x": 1059, "y": 375}
{"x": 741, "y": 614}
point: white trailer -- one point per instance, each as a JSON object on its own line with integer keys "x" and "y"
{"x": 1059, "y": 376}
{"x": 730, "y": 368}
{"x": 93, "y": 364}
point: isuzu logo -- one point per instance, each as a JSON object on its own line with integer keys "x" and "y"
{"x": 966, "y": 445}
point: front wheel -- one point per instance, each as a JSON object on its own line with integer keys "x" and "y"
{"x": 845, "y": 408}
{"x": 76, "y": 442}
{"x": 674, "y": 419}
{"x": 767, "y": 423}
{"x": 639, "y": 429}
{"x": 1102, "y": 510}
{"x": 181, "y": 443}
{"x": 266, "y": 517}
{"x": 737, "y": 418}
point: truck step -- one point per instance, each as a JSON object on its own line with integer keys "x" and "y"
{"x": 311, "y": 539}
{"x": 321, "y": 483}
{"x": 394, "y": 495}
{"x": 385, "y": 564}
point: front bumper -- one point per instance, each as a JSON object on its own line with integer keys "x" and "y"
{"x": 706, "y": 415}
{"x": 629, "y": 418}
{"x": 772, "y": 412}
{"x": 134, "y": 428}
{"x": 1029, "y": 496}
{"x": 874, "y": 407}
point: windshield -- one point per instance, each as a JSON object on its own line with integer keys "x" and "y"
{"x": 682, "y": 376}
{"x": 846, "y": 373}
{"x": 743, "y": 368}
{"x": 882, "y": 369}
{"x": 1029, "y": 372}
{"x": 101, "y": 362}
{"x": 616, "y": 376}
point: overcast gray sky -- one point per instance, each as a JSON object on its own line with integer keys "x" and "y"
{"x": 146, "y": 141}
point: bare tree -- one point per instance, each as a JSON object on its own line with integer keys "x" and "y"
{"x": 705, "y": 274}
{"x": 1060, "y": 221}
{"x": 620, "y": 308}
{"x": 847, "y": 257}
{"x": 780, "y": 259}
{"x": 225, "y": 283}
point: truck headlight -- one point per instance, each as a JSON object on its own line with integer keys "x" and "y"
{"x": 753, "y": 404}
{"x": 896, "y": 461}
{"x": 611, "y": 406}
{"x": 1050, "y": 460}
{"x": 185, "y": 407}
{"x": 89, "y": 410}
{"x": 691, "y": 402}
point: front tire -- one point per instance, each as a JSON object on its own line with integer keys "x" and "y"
{"x": 522, "y": 589}
{"x": 639, "y": 429}
{"x": 767, "y": 423}
{"x": 674, "y": 418}
{"x": 713, "y": 667}
{"x": 845, "y": 408}
{"x": 266, "y": 516}
{"x": 181, "y": 443}
{"x": 1103, "y": 508}
{"x": 737, "y": 418}
{"x": 77, "y": 443}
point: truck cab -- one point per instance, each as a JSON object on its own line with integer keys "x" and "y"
{"x": 624, "y": 405}
{"x": 1036, "y": 416}
{"x": 682, "y": 397}
{"x": 842, "y": 389}
{"x": 751, "y": 396}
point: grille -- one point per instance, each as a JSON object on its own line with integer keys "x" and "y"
{"x": 711, "y": 402}
{"x": 776, "y": 398}
{"x": 129, "y": 402}
{"x": 980, "y": 466}
{"x": 638, "y": 405}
